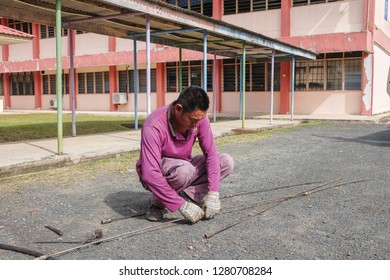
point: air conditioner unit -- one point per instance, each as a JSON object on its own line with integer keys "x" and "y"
{"x": 119, "y": 98}
{"x": 53, "y": 103}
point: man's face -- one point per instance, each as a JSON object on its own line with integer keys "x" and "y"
{"x": 183, "y": 121}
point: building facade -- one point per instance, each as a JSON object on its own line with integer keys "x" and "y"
{"x": 350, "y": 75}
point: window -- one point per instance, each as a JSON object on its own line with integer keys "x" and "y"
{"x": 259, "y": 5}
{"x": 229, "y": 75}
{"x": 50, "y": 31}
{"x": 229, "y": 7}
{"x": 142, "y": 80}
{"x": 297, "y": 3}
{"x": 126, "y": 86}
{"x": 257, "y": 76}
{"x": 49, "y": 85}
{"x": 204, "y": 7}
{"x": 93, "y": 83}
{"x": 333, "y": 75}
{"x": 276, "y": 76}
{"x": 316, "y": 75}
{"x": 274, "y": 4}
{"x": 343, "y": 72}
{"x": 192, "y": 74}
{"x": 22, "y": 83}
{"x": 25, "y": 27}
{"x": 353, "y": 74}
{"x": 245, "y": 6}
{"x": 300, "y": 76}
{"x": 171, "y": 79}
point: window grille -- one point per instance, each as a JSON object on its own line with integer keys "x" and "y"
{"x": 316, "y": 75}
{"x": 259, "y": 5}
{"x": 353, "y": 74}
{"x": 333, "y": 75}
{"x": 22, "y": 83}
{"x": 297, "y": 3}
{"x": 192, "y": 74}
{"x": 25, "y": 27}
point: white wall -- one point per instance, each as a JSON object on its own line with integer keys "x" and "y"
{"x": 380, "y": 99}
{"x": 23, "y": 102}
{"x": 380, "y": 21}
{"x": 23, "y": 51}
{"x": 264, "y": 22}
{"x": 344, "y": 16}
{"x": 128, "y": 45}
{"x": 255, "y": 103}
{"x": 91, "y": 43}
{"x": 47, "y": 47}
{"x": 326, "y": 102}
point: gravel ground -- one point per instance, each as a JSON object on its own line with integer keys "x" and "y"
{"x": 348, "y": 221}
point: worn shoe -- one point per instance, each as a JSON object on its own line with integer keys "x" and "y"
{"x": 154, "y": 213}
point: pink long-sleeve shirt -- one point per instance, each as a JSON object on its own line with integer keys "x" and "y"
{"x": 159, "y": 139}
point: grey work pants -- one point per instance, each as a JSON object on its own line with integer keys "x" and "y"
{"x": 191, "y": 177}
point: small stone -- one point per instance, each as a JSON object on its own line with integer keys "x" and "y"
{"x": 190, "y": 247}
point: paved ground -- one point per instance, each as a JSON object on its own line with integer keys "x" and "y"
{"x": 349, "y": 221}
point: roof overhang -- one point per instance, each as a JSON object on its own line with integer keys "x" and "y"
{"x": 169, "y": 25}
{"x": 10, "y": 36}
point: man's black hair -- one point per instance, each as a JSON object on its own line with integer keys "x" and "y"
{"x": 193, "y": 98}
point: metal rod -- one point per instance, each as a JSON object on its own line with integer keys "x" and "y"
{"x": 267, "y": 190}
{"x": 209, "y": 41}
{"x": 158, "y": 226}
{"x": 240, "y": 85}
{"x": 215, "y": 88}
{"x": 148, "y": 93}
{"x": 72, "y": 85}
{"x": 243, "y": 83}
{"x": 281, "y": 200}
{"x": 59, "y": 78}
{"x": 135, "y": 84}
{"x": 180, "y": 70}
{"x": 93, "y": 19}
{"x": 272, "y": 86}
{"x": 168, "y": 31}
{"x": 205, "y": 61}
{"x": 292, "y": 86}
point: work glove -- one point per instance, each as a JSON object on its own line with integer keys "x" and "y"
{"x": 212, "y": 205}
{"x": 191, "y": 212}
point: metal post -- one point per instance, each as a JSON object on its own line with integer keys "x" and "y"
{"x": 59, "y": 77}
{"x": 180, "y": 70}
{"x": 135, "y": 84}
{"x": 215, "y": 88}
{"x": 240, "y": 82}
{"x": 292, "y": 86}
{"x": 205, "y": 61}
{"x": 243, "y": 84}
{"x": 148, "y": 64}
{"x": 72, "y": 86}
{"x": 272, "y": 86}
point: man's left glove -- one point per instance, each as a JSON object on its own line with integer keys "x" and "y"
{"x": 212, "y": 205}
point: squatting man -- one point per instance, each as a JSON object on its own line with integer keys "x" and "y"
{"x": 166, "y": 167}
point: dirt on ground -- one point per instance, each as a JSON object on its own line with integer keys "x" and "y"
{"x": 317, "y": 191}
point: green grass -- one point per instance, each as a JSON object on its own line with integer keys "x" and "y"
{"x": 21, "y": 127}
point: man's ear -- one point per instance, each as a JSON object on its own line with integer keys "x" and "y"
{"x": 178, "y": 108}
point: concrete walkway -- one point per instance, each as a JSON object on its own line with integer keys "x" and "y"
{"x": 29, "y": 156}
